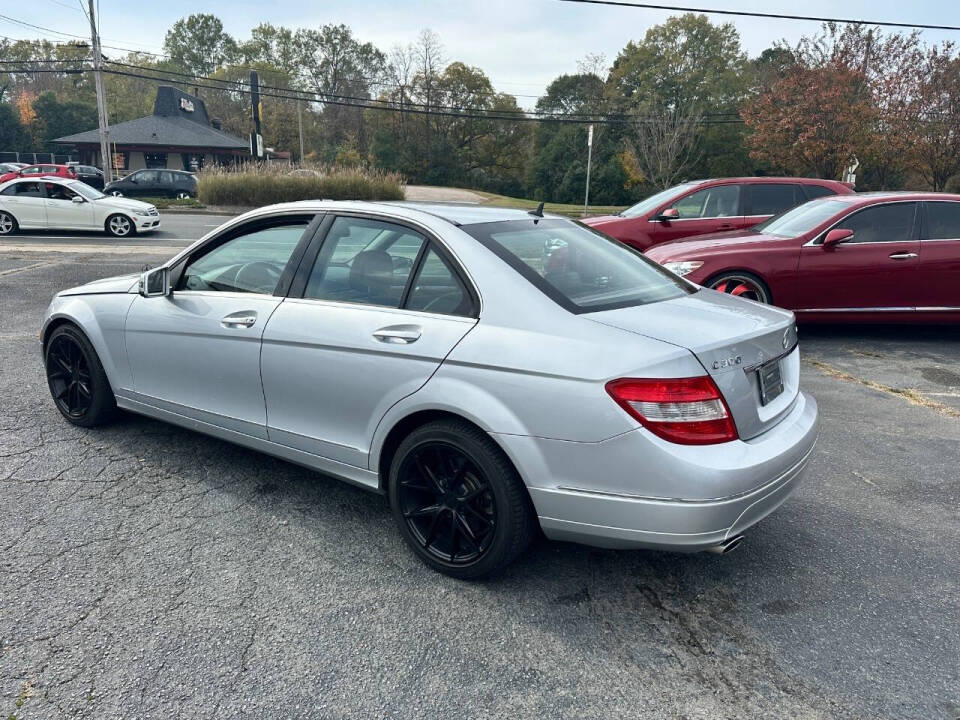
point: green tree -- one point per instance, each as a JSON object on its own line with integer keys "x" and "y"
{"x": 198, "y": 44}
{"x": 55, "y": 119}
{"x": 13, "y": 136}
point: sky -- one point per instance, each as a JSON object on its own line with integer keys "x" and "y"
{"x": 520, "y": 44}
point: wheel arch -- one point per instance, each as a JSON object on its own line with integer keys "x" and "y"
{"x": 121, "y": 213}
{"x": 390, "y": 439}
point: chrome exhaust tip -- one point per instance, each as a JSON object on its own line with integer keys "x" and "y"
{"x": 728, "y": 545}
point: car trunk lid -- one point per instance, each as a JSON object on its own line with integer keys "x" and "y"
{"x": 733, "y": 339}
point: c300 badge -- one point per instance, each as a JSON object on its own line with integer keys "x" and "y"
{"x": 727, "y": 362}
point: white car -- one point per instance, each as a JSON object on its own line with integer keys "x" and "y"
{"x": 53, "y": 203}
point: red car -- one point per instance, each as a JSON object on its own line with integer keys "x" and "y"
{"x": 706, "y": 206}
{"x": 45, "y": 170}
{"x": 879, "y": 257}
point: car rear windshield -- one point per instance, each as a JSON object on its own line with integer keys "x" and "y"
{"x": 801, "y": 219}
{"x": 580, "y": 269}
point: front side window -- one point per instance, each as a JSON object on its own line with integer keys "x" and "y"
{"x": 881, "y": 223}
{"x": 25, "y": 190}
{"x": 772, "y": 198}
{"x": 56, "y": 191}
{"x": 815, "y": 191}
{"x": 656, "y": 200}
{"x": 251, "y": 262}
{"x": 31, "y": 171}
{"x": 364, "y": 261}
{"x": 943, "y": 221}
{"x": 580, "y": 269}
{"x": 86, "y": 191}
{"x": 147, "y": 176}
{"x": 712, "y": 202}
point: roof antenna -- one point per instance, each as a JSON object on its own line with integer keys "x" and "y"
{"x": 538, "y": 213}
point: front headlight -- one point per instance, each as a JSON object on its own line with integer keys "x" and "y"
{"x": 683, "y": 267}
{"x": 144, "y": 213}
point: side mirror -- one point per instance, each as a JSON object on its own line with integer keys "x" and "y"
{"x": 155, "y": 283}
{"x": 668, "y": 215}
{"x": 78, "y": 200}
{"x": 836, "y": 236}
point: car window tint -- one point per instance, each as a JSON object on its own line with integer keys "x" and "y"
{"x": 166, "y": 178}
{"x": 772, "y": 198}
{"x": 146, "y": 176}
{"x": 364, "y": 261}
{"x": 31, "y": 171}
{"x": 815, "y": 191}
{"x": 579, "y": 268}
{"x": 24, "y": 189}
{"x": 719, "y": 201}
{"x": 943, "y": 220}
{"x": 55, "y": 191}
{"x": 252, "y": 262}
{"x": 881, "y": 223}
{"x": 437, "y": 288}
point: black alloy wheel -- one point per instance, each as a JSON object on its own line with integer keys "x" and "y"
{"x": 458, "y": 501}
{"x": 76, "y": 378}
{"x": 447, "y": 503}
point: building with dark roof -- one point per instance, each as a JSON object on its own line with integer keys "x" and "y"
{"x": 179, "y": 136}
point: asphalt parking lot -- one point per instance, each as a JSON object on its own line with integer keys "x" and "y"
{"x": 150, "y": 572}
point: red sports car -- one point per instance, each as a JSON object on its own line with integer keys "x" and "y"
{"x": 45, "y": 170}
{"x": 879, "y": 257}
{"x": 706, "y": 206}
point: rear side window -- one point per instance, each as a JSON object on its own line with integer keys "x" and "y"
{"x": 580, "y": 269}
{"x": 438, "y": 289}
{"x": 773, "y": 198}
{"x": 364, "y": 261}
{"x": 816, "y": 191}
{"x": 943, "y": 221}
{"x": 881, "y": 223}
{"x": 24, "y": 189}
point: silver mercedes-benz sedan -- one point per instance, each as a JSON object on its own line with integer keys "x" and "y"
{"x": 491, "y": 371}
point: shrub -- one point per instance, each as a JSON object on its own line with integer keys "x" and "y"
{"x": 264, "y": 185}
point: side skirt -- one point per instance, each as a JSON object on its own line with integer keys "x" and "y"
{"x": 356, "y": 476}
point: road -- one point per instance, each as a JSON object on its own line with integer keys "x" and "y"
{"x": 150, "y": 572}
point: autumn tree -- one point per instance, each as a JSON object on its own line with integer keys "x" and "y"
{"x": 198, "y": 44}
{"x": 936, "y": 153}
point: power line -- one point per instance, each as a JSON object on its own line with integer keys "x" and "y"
{"x": 773, "y": 16}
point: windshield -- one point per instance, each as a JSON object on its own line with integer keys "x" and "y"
{"x": 86, "y": 191}
{"x": 579, "y": 268}
{"x": 802, "y": 219}
{"x": 645, "y": 206}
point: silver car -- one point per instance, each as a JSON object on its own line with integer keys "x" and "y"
{"x": 491, "y": 371}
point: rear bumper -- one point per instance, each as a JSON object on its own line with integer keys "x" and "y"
{"x": 638, "y": 491}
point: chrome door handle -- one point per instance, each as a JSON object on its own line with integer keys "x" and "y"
{"x": 903, "y": 256}
{"x": 398, "y": 334}
{"x": 239, "y": 320}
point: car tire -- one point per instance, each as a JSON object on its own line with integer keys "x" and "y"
{"x": 183, "y": 195}
{"x": 120, "y": 226}
{"x": 116, "y": 193}
{"x": 75, "y": 376}
{"x": 742, "y": 284}
{"x": 458, "y": 501}
{"x": 8, "y": 224}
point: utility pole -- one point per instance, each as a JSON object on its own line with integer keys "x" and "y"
{"x": 256, "y": 139}
{"x": 105, "y": 156}
{"x": 300, "y": 127}
{"x": 586, "y": 197}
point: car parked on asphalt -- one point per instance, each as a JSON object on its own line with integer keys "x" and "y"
{"x": 9, "y": 167}
{"x": 35, "y": 171}
{"x": 699, "y": 207}
{"x": 92, "y": 176}
{"x": 51, "y": 203}
{"x": 155, "y": 183}
{"x": 429, "y": 353}
{"x": 878, "y": 257}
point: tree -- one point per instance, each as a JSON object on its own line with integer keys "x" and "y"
{"x": 666, "y": 143}
{"x": 13, "y": 136}
{"x": 198, "y": 44}
{"x": 936, "y": 154}
{"x": 55, "y": 119}
{"x": 811, "y": 121}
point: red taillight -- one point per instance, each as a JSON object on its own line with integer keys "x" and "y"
{"x": 688, "y": 411}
